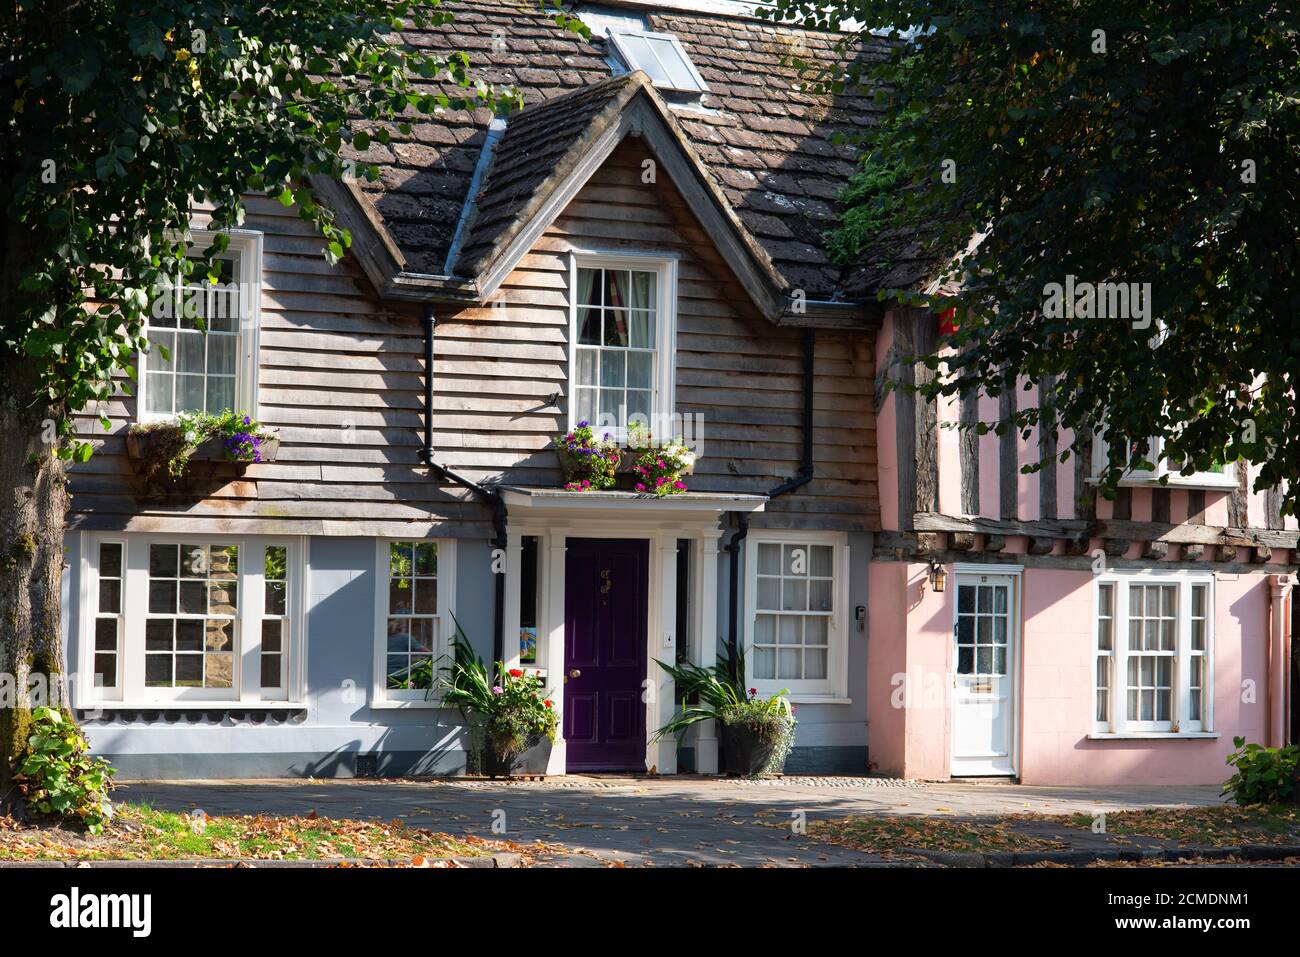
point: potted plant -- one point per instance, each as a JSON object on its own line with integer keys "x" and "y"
{"x": 757, "y": 733}
{"x": 588, "y": 463}
{"x": 512, "y": 720}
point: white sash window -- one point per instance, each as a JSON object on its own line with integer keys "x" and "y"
{"x": 189, "y": 619}
{"x": 1153, "y": 634}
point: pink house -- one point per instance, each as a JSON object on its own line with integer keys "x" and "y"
{"x": 1053, "y": 636}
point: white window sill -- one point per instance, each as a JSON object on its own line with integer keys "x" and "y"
{"x": 1208, "y": 482}
{"x": 387, "y": 704}
{"x": 195, "y": 705}
{"x": 1152, "y": 735}
{"x": 806, "y": 698}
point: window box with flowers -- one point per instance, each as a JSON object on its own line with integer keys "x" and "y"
{"x": 657, "y": 469}
{"x": 589, "y": 463}
{"x": 166, "y": 449}
{"x": 594, "y": 464}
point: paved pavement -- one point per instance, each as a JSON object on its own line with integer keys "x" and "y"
{"x": 652, "y": 821}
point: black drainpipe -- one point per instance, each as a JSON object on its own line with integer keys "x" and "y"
{"x": 488, "y": 495}
{"x": 804, "y": 476}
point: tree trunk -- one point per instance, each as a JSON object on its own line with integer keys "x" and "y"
{"x": 33, "y": 507}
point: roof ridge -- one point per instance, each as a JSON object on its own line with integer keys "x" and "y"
{"x": 631, "y": 84}
{"x": 634, "y": 77}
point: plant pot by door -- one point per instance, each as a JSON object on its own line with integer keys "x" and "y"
{"x": 746, "y": 754}
{"x": 532, "y": 760}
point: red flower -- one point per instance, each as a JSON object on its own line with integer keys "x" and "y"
{"x": 547, "y": 702}
{"x": 516, "y": 673}
{"x": 753, "y": 692}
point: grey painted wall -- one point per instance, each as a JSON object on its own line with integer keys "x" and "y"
{"x": 338, "y": 724}
{"x": 829, "y": 738}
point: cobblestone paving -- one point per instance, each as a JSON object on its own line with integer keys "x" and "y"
{"x": 664, "y": 822}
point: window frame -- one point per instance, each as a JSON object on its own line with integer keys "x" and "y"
{"x": 92, "y": 614}
{"x": 248, "y": 243}
{"x": 1117, "y": 722}
{"x": 616, "y": 35}
{"x": 1224, "y": 478}
{"x": 833, "y": 689}
{"x": 246, "y": 691}
{"x": 381, "y": 696}
{"x": 664, "y": 398}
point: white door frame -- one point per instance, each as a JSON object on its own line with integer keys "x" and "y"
{"x": 1014, "y": 664}
{"x": 661, "y": 624}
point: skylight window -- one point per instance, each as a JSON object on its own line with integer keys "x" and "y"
{"x": 661, "y": 56}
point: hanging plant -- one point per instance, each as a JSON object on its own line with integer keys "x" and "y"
{"x": 588, "y": 463}
{"x": 167, "y": 447}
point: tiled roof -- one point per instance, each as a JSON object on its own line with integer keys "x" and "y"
{"x": 530, "y": 152}
{"x": 769, "y": 146}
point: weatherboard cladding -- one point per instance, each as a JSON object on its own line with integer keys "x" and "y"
{"x": 342, "y": 375}
{"x": 770, "y": 146}
{"x": 341, "y": 371}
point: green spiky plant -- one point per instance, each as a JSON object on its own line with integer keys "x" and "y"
{"x": 508, "y": 714}
{"x": 718, "y": 693}
{"x": 713, "y": 689}
{"x": 464, "y": 680}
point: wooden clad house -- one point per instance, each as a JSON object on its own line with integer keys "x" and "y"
{"x": 248, "y": 622}
{"x": 648, "y": 235}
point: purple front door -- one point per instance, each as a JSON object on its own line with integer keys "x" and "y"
{"x": 605, "y": 605}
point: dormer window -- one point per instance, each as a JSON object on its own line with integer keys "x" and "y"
{"x": 662, "y": 57}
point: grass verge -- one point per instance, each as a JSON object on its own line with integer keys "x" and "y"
{"x": 143, "y": 833}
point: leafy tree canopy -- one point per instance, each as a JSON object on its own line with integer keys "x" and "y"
{"x": 119, "y": 117}
{"x": 1113, "y": 141}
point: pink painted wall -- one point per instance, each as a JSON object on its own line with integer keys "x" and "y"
{"x": 911, "y": 636}
{"x": 886, "y": 658}
{"x": 1057, "y": 696}
{"x": 990, "y": 502}
{"x": 948, "y": 447}
{"x": 908, "y": 672}
{"x": 1027, "y": 453}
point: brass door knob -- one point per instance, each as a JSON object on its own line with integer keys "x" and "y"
{"x": 575, "y": 673}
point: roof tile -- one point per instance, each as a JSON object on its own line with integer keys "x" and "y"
{"x": 771, "y": 146}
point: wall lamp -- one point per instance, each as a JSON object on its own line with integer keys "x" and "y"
{"x": 938, "y": 577}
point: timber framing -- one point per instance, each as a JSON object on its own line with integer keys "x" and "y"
{"x": 926, "y": 547}
{"x": 1068, "y": 539}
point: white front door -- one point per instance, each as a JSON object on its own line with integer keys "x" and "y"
{"x": 984, "y": 676}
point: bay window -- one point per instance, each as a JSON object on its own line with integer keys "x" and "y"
{"x": 797, "y": 592}
{"x": 181, "y": 619}
{"x": 1153, "y": 636}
